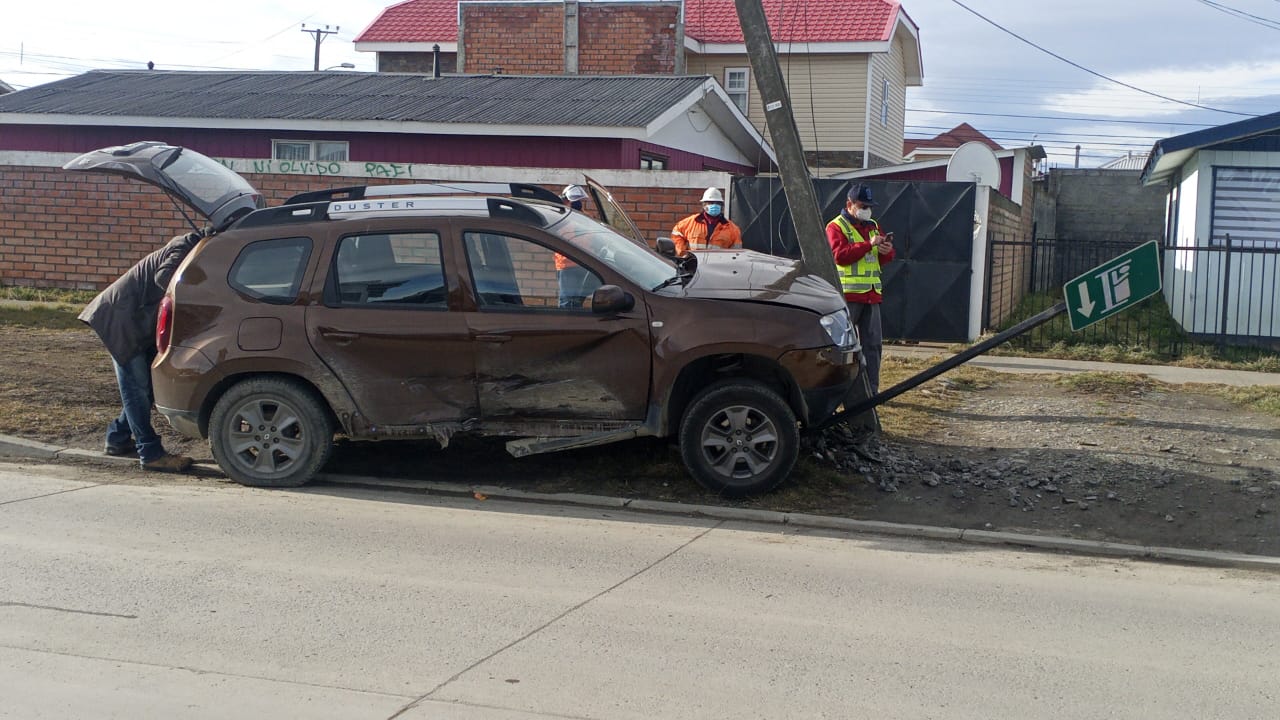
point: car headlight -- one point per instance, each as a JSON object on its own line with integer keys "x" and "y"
{"x": 839, "y": 328}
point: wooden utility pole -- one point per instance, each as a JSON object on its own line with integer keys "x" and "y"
{"x": 796, "y": 182}
{"x": 320, "y": 35}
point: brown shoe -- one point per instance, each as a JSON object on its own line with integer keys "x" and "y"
{"x": 168, "y": 463}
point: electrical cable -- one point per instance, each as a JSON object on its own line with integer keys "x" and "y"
{"x": 1094, "y": 72}
{"x": 1237, "y": 13}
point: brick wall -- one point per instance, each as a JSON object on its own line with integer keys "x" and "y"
{"x": 416, "y": 62}
{"x": 518, "y": 38}
{"x": 1010, "y": 272}
{"x": 73, "y": 230}
{"x": 628, "y": 39}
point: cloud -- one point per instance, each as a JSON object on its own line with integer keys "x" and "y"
{"x": 1211, "y": 86}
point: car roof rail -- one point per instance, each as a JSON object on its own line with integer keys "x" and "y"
{"x": 284, "y": 214}
{"x": 504, "y": 209}
{"x": 524, "y": 191}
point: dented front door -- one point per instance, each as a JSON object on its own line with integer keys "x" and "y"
{"x": 540, "y": 355}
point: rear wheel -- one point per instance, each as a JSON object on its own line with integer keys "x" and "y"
{"x": 270, "y": 432}
{"x": 739, "y": 438}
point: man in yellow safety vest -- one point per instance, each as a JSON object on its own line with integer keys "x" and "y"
{"x": 860, "y": 249}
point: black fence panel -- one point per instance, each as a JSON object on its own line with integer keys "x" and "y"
{"x": 926, "y": 288}
{"x": 1226, "y": 296}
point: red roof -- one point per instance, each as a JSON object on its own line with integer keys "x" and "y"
{"x": 953, "y": 138}
{"x": 709, "y": 21}
{"x": 415, "y": 21}
{"x": 828, "y": 21}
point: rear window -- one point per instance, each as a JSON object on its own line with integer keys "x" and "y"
{"x": 271, "y": 270}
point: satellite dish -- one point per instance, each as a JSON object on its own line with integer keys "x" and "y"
{"x": 976, "y": 163}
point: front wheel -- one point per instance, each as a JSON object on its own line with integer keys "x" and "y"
{"x": 270, "y": 432}
{"x": 739, "y": 438}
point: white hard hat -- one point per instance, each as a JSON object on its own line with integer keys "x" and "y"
{"x": 713, "y": 195}
{"x": 574, "y": 193}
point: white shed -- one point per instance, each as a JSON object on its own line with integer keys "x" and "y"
{"x": 1222, "y": 229}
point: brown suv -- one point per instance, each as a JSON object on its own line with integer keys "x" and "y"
{"x": 422, "y": 311}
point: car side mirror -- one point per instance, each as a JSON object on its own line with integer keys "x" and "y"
{"x": 666, "y": 247}
{"x": 611, "y": 300}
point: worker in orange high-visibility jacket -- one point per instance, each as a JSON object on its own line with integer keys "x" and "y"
{"x": 859, "y": 249}
{"x": 707, "y": 229}
{"x": 572, "y": 278}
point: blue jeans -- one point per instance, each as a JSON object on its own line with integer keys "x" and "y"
{"x": 134, "y": 381}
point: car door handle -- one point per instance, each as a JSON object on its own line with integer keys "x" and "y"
{"x": 338, "y": 336}
{"x": 494, "y": 338}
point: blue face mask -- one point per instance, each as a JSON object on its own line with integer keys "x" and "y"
{"x": 714, "y": 210}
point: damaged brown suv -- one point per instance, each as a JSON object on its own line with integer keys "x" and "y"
{"x": 423, "y": 311}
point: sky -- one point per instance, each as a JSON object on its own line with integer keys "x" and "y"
{"x": 1223, "y": 55}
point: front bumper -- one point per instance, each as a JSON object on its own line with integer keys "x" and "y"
{"x": 824, "y": 377}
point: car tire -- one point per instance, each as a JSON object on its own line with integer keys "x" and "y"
{"x": 270, "y": 432}
{"x": 738, "y": 438}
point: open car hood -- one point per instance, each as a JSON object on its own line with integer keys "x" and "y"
{"x": 201, "y": 183}
{"x": 749, "y": 275}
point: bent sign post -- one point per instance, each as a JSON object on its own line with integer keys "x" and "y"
{"x": 1113, "y": 286}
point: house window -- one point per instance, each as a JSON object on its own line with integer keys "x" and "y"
{"x": 317, "y": 150}
{"x": 649, "y": 161}
{"x": 1246, "y": 206}
{"x": 884, "y": 102}
{"x": 735, "y": 84}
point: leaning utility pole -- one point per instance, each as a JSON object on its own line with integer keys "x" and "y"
{"x": 319, "y": 35}
{"x": 811, "y": 232}
{"x": 796, "y": 183}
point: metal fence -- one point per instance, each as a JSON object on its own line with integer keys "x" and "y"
{"x": 1223, "y": 295}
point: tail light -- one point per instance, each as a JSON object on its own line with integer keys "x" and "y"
{"x": 164, "y": 324}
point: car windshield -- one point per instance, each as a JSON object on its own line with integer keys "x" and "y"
{"x": 638, "y": 264}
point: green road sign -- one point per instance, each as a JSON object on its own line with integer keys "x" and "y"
{"x": 1113, "y": 286}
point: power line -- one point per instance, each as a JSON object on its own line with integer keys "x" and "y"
{"x": 1135, "y": 88}
{"x": 1247, "y": 17}
{"x": 1059, "y": 117}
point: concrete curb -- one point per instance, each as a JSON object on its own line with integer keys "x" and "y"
{"x": 20, "y": 447}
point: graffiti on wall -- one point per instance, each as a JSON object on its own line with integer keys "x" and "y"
{"x": 321, "y": 169}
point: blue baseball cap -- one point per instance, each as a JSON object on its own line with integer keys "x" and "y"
{"x": 860, "y": 193}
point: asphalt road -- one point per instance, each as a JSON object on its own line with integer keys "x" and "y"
{"x": 120, "y": 601}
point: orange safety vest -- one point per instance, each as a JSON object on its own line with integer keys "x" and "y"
{"x": 691, "y": 234}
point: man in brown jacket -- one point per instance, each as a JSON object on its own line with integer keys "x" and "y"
{"x": 124, "y": 316}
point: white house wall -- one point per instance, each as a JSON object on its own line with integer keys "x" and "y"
{"x": 1196, "y": 281}
{"x": 695, "y": 132}
{"x": 886, "y": 140}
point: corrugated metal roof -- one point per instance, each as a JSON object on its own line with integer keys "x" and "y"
{"x": 1128, "y": 162}
{"x": 709, "y": 21}
{"x": 613, "y": 101}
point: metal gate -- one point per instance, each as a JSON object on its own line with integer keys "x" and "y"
{"x": 926, "y": 288}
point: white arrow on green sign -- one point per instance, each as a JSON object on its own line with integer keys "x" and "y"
{"x": 1113, "y": 286}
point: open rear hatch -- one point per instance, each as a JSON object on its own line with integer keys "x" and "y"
{"x": 199, "y": 182}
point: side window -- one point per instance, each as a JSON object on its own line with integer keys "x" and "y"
{"x": 389, "y": 270}
{"x": 511, "y": 273}
{"x": 271, "y": 270}
{"x": 736, "y": 86}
